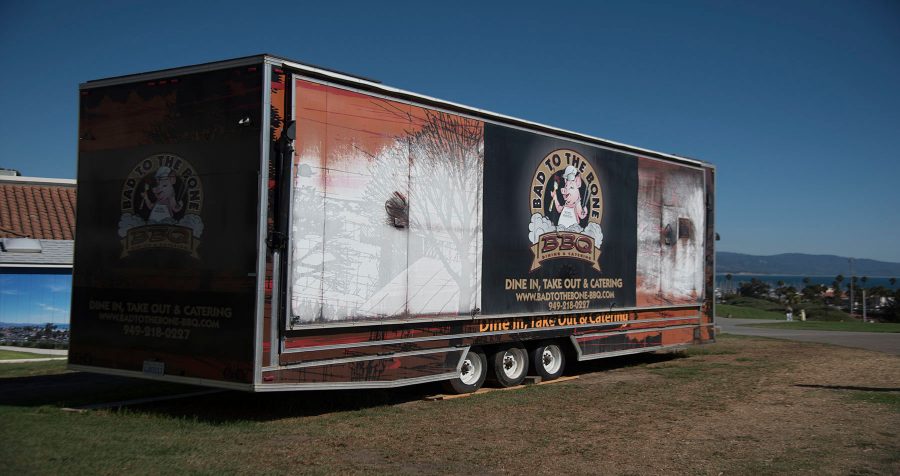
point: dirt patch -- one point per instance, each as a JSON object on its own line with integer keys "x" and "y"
{"x": 740, "y": 406}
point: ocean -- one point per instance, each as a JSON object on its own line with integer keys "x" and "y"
{"x": 59, "y": 325}
{"x": 797, "y": 280}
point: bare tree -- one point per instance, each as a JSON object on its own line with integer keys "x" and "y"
{"x": 446, "y": 156}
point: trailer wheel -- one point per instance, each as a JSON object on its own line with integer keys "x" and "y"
{"x": 472, "y": 373}
{"x": 549, "y": 360}
{"x": 509, "y": 366}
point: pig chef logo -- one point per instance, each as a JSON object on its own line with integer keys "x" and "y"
{"x": 161, "y": 202}
{"x": 566, "y": 209}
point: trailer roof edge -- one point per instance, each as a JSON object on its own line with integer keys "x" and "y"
{"x": 161, "y": 73}
{"x": 209, "y": 66}
{"x": 390, "y": 90}
{"x": 376, "y": 86}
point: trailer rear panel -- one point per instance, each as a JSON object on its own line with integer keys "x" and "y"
{"x": 166, "y": 253}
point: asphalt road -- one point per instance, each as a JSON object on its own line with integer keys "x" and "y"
{"x": 879, "y": 341}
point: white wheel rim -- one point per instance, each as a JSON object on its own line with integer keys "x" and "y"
{"x": 470, "y": 371}
{"x": 551, "y": 359}
{"x": 512, "y": 363}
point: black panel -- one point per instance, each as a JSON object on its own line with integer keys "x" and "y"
{"x": 530, "y": 240}
{"x": 165, "y": 255}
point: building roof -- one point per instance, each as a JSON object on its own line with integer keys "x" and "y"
{"x": 38, "y": 208}
{"x": 54, "y": 253}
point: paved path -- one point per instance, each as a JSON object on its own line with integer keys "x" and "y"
{"x": 881, "y": 341}
{"x": 19, "y": 361}
{"x": 33, "y": 350}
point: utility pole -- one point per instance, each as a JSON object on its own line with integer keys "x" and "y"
{"x": 851, "y": 286}
{"x": 864, "y": 304}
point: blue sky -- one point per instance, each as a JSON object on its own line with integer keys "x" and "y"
{"x": 796, "y": 102}
{"x": 35, "y": 298}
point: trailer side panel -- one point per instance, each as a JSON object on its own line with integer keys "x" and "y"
{"x": 395, "y": 206}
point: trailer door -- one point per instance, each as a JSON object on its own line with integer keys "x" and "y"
{"x": 670, "y": 234}
{"x": 348, "y": 255}
{"x": 446, "y": 177}
{"x": 386, "y": 209}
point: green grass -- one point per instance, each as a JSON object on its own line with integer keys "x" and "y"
{"x": 754, "y": 308}
{"x": 707, "y": 350}
{"x": 821, "y": 312}
{"x": 117, "y": 444}
{"x": 853, "y": 326}
{"x": 757, "y": 303}
{"x": 891, "y": 399}
{"x": 32, "y": 369}
{"x": 741, "y": 312}
{"x": 12, "y": 354}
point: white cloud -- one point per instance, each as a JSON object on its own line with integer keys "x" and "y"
{"x": 50, "y": 308}
{"x": 33, "y": 319}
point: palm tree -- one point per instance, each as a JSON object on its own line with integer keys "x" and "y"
{"x": 808, "y": 291}
{"x": 838, "y": 293}
{"x": 893, "y": 281}
{"x": 779, "y": 291}
{"x": 728, "y": 280}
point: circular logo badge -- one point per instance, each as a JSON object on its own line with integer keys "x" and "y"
{"x": 566, "y": 201}
{"x": 161, "y": 202}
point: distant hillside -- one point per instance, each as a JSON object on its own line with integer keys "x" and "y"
{"x": 802, "y": 265}
{"x": 4, "y": 325}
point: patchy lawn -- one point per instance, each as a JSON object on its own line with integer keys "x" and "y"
{"x": 743, "y": 405}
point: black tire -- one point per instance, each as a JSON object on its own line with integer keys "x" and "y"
{"x": 548, "y": 360}
{"x": 466, "y": 382}
{"x": 509, "y": 366}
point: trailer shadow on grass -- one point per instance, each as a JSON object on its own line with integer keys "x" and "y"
{"x": 612, "y": 363}
{"x": 231, "y": 406}
{"x": 75, "y": 389}
{"x": 85, "y": 390}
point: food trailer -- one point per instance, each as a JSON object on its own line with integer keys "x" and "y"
{"x": 263, "y": 224}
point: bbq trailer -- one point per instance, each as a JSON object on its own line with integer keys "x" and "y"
{"x": 263, "y": 224}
